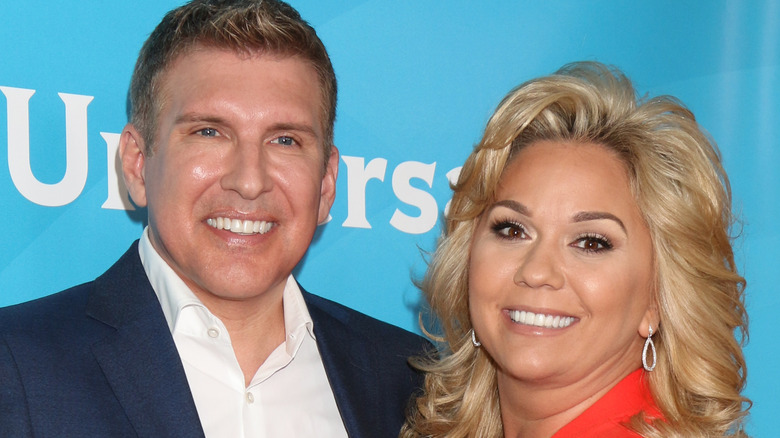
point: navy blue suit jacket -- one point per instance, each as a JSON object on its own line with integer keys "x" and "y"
{"x": 98, "y": 360}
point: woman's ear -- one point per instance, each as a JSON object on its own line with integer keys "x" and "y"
{"x": 651, "y": 318}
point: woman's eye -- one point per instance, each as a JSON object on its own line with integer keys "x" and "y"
{"x": 593, "y": 243}
{"x": 508, "y": 230}
{"x": 207, "y": 132}
{"x": 284, "y": 141}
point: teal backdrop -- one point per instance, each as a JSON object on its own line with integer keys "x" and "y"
{"x": 418, "y": 81}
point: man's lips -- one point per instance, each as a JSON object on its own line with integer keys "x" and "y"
{"x": 241, "y": 227}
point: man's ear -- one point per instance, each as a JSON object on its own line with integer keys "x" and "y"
{"x": 328, "y": 187}
{"x": 132, "y": 152}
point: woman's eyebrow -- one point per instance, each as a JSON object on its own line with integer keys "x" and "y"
{"x": 596, "y": 215}
{"x": 579, "y": 217}
{"x": 512, "y": 205}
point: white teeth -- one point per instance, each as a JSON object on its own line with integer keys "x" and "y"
{"x": 540, "y": 319}
{"x": 240, "y": 227}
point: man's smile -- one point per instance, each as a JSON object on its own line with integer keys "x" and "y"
{"x": 243, "y": 227}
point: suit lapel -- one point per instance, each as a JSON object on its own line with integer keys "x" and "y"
{"x": 348, "y": 362}
{"x": 140, "y": 360}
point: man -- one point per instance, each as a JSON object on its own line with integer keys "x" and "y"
{"x": 200, "y": 329}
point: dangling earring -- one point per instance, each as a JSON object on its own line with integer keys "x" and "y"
{"x": 648, "y": 343}
{"x": 474, "y": 339}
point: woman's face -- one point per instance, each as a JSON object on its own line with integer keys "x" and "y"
{"x": 561, "y": 270}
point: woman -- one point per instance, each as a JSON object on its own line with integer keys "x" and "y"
{"x": 585, "y": 284}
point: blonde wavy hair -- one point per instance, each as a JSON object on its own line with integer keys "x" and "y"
{"x": 684, "y": 195}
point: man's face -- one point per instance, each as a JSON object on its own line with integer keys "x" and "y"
{"x": 234, "y": 185}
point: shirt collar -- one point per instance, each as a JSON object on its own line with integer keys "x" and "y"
{"x": 174, "y": 295}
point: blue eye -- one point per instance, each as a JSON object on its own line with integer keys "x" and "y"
{"x": 284, "y": 141}
{"x": 593, "y": 243}
{"x": 208, "y": 132}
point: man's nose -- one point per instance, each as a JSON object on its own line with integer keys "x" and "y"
{"x": 247, "y": 170}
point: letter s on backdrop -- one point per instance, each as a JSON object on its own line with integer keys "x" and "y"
{"x": 429, "y": 210}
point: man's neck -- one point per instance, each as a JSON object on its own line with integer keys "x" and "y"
{"x": 256, "y": 328}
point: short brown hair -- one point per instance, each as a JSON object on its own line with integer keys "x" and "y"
{"x": 243, "y": 26}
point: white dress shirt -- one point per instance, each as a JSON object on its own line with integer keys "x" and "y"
{"x": 289, "y": 396}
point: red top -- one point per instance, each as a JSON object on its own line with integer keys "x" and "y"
{"x": 603, "y": 419}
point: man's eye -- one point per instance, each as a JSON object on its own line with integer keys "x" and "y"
{"x": 207, "y": 132}
{"x": 284, "y": 141}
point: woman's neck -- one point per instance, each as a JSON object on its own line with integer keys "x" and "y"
{"x": 538, "y": 410}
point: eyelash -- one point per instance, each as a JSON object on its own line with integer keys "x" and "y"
{"x": 202, "y": 132}
{"x": 603, "y": 241}
{"x": 294, "y": 141}
{"x": 212, "y": 132}
{"x": 500, "y": 226}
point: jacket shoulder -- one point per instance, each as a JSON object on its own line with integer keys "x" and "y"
{"x": 369, "y": 326}
{"x": 43, "y": 312}
{"x": 70, "y": 309}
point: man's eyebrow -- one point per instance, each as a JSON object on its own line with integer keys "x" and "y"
{"x": 597, "y": 215}
{"x": 198, "y": 118}
{"x": 300, "y": 127}
{"x": 202, "y": 118}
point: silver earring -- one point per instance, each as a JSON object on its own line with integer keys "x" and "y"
{"x": 651, "y": 346}
{"x": 474, "y": 339}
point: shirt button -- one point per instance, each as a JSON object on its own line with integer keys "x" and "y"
{"x": 250, "y": 398}
{"x": 213, "y": 333}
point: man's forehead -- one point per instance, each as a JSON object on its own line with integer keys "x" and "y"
{"x": 176, "y": 87}
{"x": 164, "y": 77}
{"x": 247, "y": 54}
{"x": 173, "y": 72}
